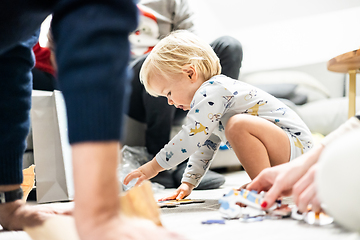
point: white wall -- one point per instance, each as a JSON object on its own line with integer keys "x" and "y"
{"x": 282, "y": 33}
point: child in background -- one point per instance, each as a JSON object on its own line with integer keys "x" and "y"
{"x": 261, "y": 130}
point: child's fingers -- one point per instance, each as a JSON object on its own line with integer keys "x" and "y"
{"x": 181, "y": 195}
{"x": 140, "y": 180}
{"x": 171, "y": 197}
{"x": 131, "y": 176}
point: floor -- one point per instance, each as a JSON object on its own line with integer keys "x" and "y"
{"x": 186, "y": 219}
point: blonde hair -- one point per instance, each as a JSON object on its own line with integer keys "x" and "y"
{"x": 172, "y": 53}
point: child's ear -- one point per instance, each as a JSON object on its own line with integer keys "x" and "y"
{"x": 190, "y": 71}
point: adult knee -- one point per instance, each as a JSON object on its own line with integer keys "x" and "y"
{"x": 232, "y": 46}
{"x": 229, "y": 51}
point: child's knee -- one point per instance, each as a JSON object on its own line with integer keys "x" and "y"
{"x": 236, "y": 126}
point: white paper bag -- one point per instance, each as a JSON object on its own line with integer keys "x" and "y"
{"x": 52, "y": 152}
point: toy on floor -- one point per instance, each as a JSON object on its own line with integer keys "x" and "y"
{"x": 230, "y": 209}
{"x": 28, "y": 182}
{"x": 311, "y": 217}
{"x": 139, "y": 202}
{"x": 230, "y": 203}
{"x": 174, "y": 203}
{"x": 213, "y": 221}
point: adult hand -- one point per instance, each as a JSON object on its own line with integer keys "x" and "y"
{"x": 181, "y": 192}
{"x": 16, "y": 215}
{"x": 305, "y": 192}
{"x": 279, "y": 180}
{"x": 276, "y": 181}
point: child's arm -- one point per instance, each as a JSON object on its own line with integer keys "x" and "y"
{"x": 146, "y": 171}
{"x": 198, "y": 165}
{"x": 199, "y": 162}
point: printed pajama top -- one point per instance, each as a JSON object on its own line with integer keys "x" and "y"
{"x": 213, "y": 104}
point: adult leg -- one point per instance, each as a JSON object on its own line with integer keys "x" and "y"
{"x": 257, "y": 143}
{"x": 158, "y": 116}
{"x": 43, "y": 80}
{"x": 159, "y": 120}
{"x": 154, "y": 111}
{"x": 15, "y": 103}
{"x": 230, "y": 53}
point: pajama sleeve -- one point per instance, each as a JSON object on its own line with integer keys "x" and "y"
{"x": 199, "y": 162}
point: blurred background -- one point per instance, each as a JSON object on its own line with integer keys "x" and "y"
{"x": 282, "y": 33}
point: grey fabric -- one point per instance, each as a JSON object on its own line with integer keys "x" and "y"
{"x": 284, "y": 90}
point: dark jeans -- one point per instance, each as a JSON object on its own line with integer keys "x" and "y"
{"x": 158, "y": 115}
{"x": 92, "y": 55}
{"x": 43, "y": 80}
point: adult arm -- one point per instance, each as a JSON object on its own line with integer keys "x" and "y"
{"x": 183, "y": 16}
{"x": 281, "y": 180}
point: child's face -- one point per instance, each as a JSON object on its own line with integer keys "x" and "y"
{"x": 179, "y": 90}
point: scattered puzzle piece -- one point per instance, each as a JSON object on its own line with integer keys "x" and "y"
{"x": 214, "y": 221}
{"x": 139, "y": 202}
{"x": 230, "y": 204}
{"x": 28, "y": 182}
{"x": 184, "y": 201}
{"x": 168, "y": 204}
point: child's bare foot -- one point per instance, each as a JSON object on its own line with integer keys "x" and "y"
{"x": 15, "y": 215}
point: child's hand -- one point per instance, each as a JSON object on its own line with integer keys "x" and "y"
{"x": 135, "y": 174}
{"x": 146, "y": 171}
{"x": 182, "y": 192}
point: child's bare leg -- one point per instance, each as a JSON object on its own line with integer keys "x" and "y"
{"x": 257, "y": 143}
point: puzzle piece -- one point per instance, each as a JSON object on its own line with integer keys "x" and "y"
{"x": 311, "y": 217}
{"x": 230, "y": 208}
{"x": 213, "y": 221}
{"x": 28, "y": 182}
{"x": 139, "y": 202}
{"x": 174, "y": 203}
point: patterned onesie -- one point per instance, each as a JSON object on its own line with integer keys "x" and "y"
{"x": 213, "y": 104}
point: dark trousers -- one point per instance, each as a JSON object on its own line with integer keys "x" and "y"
{"x": 156, "y": 113}
{"x": 92, "y": 55}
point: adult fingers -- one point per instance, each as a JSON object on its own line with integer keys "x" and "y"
{"x": 301, "y": 185}
{"x": 261, "y": 182}
{"x": 315, "y": 204}
{"x": 306, "y": 197}
{"x": 273, "y": 194}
